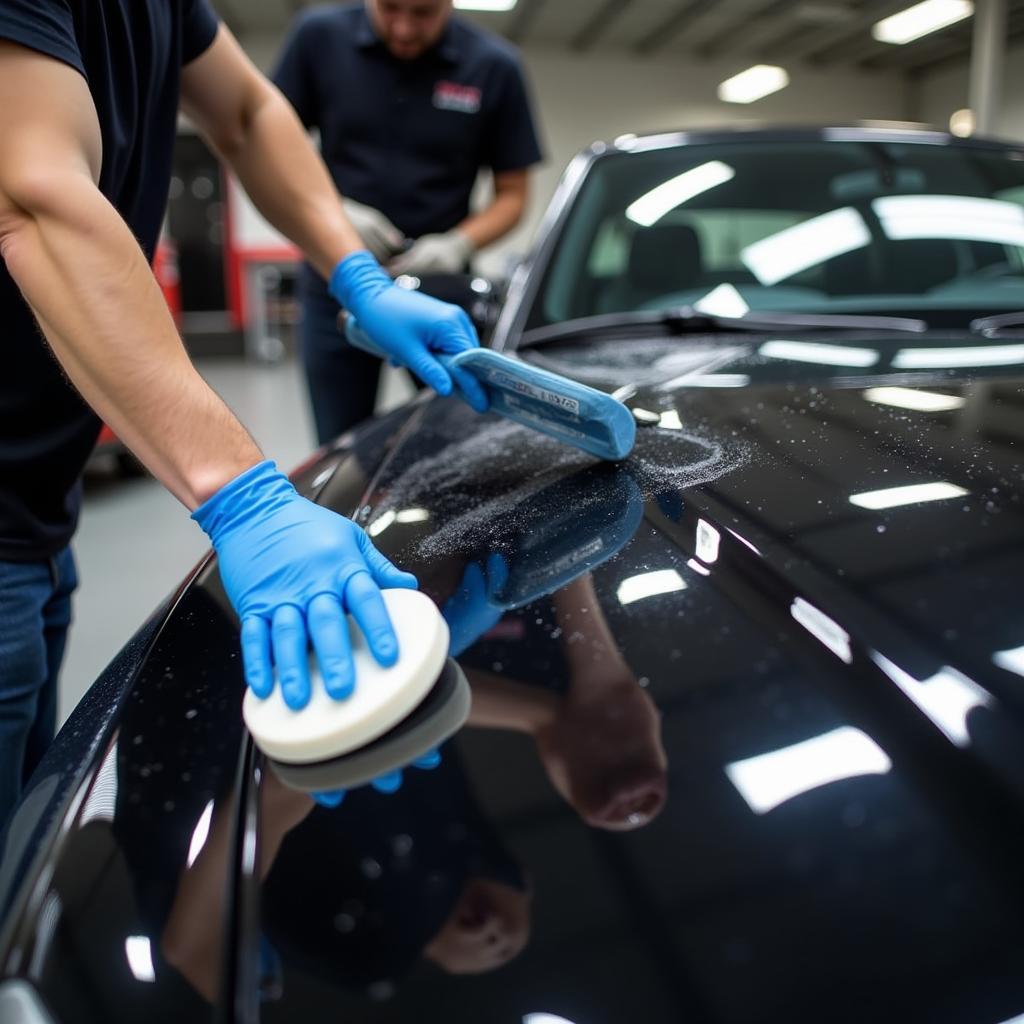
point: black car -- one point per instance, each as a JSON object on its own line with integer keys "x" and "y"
{"x": 746, "y": 741}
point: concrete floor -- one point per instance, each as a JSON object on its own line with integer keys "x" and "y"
{"x": 136, "y": 542}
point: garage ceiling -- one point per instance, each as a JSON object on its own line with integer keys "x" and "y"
{"x": 824, "y": 32}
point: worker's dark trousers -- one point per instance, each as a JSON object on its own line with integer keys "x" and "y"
{"x": 342, "y": 380}
{"x": 35, "y": 611}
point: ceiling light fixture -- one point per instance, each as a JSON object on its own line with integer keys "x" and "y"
{"x": 485, "y": 5}
{"x": 753, "y": 84}
{"x": 921, "y": 20}
{"x": 962, "y": 123}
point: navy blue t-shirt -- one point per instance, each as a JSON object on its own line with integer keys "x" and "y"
{"x": 408, "y": 136}
{"x": 131, "y": 53}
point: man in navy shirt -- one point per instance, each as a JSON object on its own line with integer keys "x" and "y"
{"x": 411, "y": 103}
{"x": 89, "y": 98}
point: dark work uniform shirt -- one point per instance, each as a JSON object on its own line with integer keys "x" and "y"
{"x": 131, "y": 53}
{"x": 408, "y": 137}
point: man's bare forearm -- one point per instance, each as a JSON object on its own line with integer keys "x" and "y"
{"x": 285, "y": 177}
{"x": 256, "y": 131}
{"x": 96, "y": 300}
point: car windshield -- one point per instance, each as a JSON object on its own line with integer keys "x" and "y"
{"x": 894, "y": 227}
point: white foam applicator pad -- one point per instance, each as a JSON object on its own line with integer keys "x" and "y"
{"x": 326, "y": 728}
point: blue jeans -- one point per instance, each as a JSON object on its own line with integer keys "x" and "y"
{"x": 35, "y": 612}
{"x": 342, "y": 380}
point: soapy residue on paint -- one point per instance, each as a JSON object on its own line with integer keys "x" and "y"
{"x": 481, "y": 485}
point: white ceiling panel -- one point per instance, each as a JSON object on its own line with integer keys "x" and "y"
{"x": 831, "y": 32}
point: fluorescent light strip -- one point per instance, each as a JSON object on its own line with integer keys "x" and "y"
{"x": 818, "y": 352}
{"x": 140, "y": 957}
{"x": 653, "y": 205}
{"x": 718, "y": 380}
{"x": 822, "y": 628}
{"x": 914, "y": 494}
{"x": 1012, "y": 660}
{"x": 101, "y": 803}
{"x": 724, "y": 300}
{"x": 378, "y": 526}
{"x": 768, "y": 780}
{"x": 968, "y": 217}
{"x": 753, "y": 84}
{"x": 946, "y": 358}
{"x": 485, "y": 5}
{"x": 650, "y": 584}
{"x": 200, "y": 834}
{"x": 921, "y": 20}
{"x": 947, "y": 697}
{"x": 708, "y": 540}
{"x": 806, "y": 244}
{"x": 745, "y": 542}
{"x": 911, "y": 398}
{"x": 412, "y": 515}
{"x": 698, "y": 568}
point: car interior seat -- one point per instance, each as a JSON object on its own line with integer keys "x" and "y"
{"x": 663, "y": 258}
{"x": 916, "y": 265}
{"x": 906, "y": 266}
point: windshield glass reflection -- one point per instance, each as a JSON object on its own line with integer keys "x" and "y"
{"x": 838, "y": 226}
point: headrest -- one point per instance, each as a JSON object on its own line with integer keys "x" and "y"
{"x": 665, "y": 257}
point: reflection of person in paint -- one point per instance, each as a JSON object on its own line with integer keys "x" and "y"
{"x": 357, "y": 894}
{"x": 599, "y": 740}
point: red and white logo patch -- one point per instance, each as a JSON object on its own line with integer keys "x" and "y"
{"x": 462, "y": 98}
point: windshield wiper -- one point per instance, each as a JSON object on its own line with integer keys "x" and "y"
{"x": 688, "y": 320}
{"x": 993, "y": 326}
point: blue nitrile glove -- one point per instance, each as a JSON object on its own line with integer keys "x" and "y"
{"x": 411, "y": 327}
{"x": 472, "y": 610}
{"x": 390, "y": 783}
{"x": 292, "y": 570}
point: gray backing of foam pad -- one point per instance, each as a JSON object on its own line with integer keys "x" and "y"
{"x": 442, "y": 713}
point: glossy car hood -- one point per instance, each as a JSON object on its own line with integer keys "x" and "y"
{"x": 741, "y": 749}
{"x": 756, "y": 757}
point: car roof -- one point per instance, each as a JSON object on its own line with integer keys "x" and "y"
{"x": 875, "y": 131}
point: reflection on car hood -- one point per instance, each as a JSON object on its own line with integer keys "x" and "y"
{"x": 760, "y": 760}
{"x": 745, "y": 733}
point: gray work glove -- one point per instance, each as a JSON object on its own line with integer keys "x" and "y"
{"x": 434, "y": 254}
{"x": 379, "y": 235}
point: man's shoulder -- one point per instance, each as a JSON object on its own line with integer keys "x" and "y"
{"x": 486, "y": 46}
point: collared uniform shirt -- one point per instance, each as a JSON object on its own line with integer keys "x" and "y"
{"x": 130, "y": 53}
{"x": 408, "y": 137}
